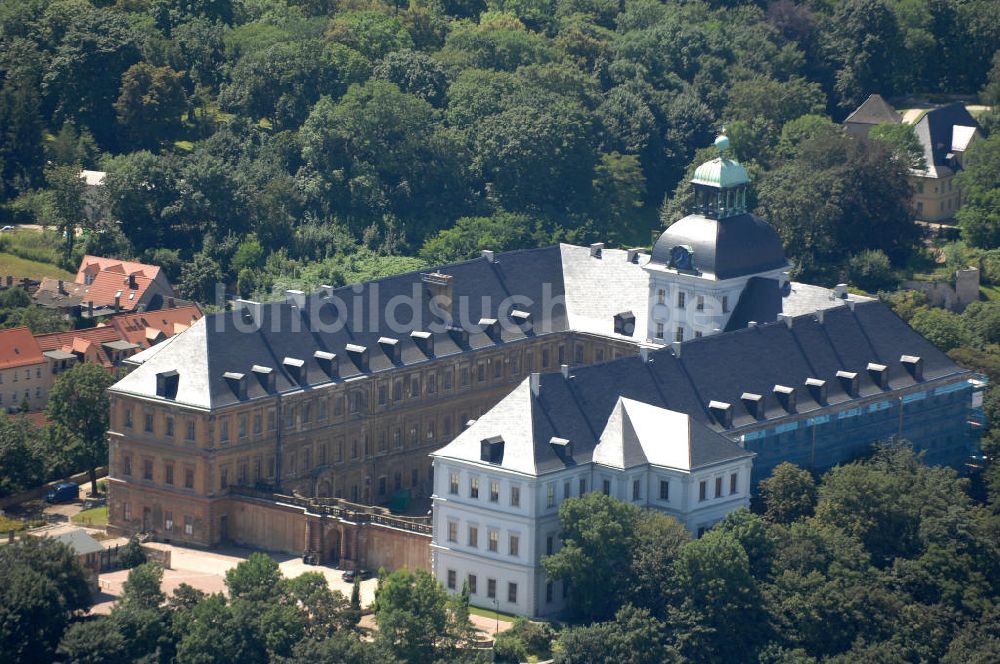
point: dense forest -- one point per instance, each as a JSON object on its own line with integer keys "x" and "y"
{"x": 260, "y": 142}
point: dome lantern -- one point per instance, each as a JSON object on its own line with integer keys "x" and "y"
{"x": 720, "y": 185}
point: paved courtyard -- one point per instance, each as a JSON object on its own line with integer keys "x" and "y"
{"x": 206, "y": 571}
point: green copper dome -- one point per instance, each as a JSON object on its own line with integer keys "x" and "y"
{"x": 721, "y": 172}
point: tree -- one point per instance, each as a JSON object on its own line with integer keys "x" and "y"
{"x": 94, "y": 641}
{"x": 151, "y": 104}
{"x": 200, "y": 279}
{"x": 141, "y": 589}
{"x": 21, "y": 154}
{"x": 979, "y": 216}
{"x": 371, "y": 33}
{"x": 41, "y": 586}
{"x": 943, "y": 328}
{"x": 863, "y": 39}
{"x": 633, "y": 637}
{"x": 658, "y": 540}
{"x": 415, "y": 73}
{"x": 902, "y": 140}
{"x": 597, "y": 534}
{"x": 68, "y": 191}
{"x": 502, "y": 231}
{"x": 131, "y": 555}
{"x": 78, "y": 402}
{"x": 20, "y": 460}
{"x": 257, "y": 579}
{"x": 789, "y": 494}
{"x": 410, "y": 609}
{"x": 871, "y": 270}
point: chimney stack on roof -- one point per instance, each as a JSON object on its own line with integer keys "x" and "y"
{"x": 489, "y": 255}
{"x": 131, "y": 281}
{"x": 296, "y": 298}
{"x": 632, "y": 256}
{"x": 840, "y": 291}
{"x": 596, "y": 249}
{"x": 787, "y": 320}
{"x": 534, "y": 383}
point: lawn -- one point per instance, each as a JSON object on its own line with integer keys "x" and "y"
{"x": 490, "y": 613}
{"x": 8, "y": 524}
{"x": 11, "y": 265}
{"x": 97, "y": 516}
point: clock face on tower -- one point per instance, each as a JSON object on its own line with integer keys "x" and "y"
{"x": 681, "y": 258}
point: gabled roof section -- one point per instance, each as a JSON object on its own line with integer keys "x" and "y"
{"x": 874, "y": 111}
{"x": 93, "y": 264}
{"x": 18, "y": 348}
{"x": 149, "y": 327}
{"x": 109, "y": 284}
{"x": 936, "y": 133}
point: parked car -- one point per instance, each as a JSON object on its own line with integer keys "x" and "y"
{"x": 350, "y": 574}
{"x": 6, "y": 229}
{"x": 63, "y": 493}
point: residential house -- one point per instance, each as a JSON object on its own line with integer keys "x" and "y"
{"x": 24, "y": 371}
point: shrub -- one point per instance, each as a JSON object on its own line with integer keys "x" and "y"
{"x": 509, "y": 648}
{"x": 131, "y": 554}
{"x": 871, "y": 271}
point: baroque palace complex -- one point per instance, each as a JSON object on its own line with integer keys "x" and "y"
{"x": 496, "y": 388}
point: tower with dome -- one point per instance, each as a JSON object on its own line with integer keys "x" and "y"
{"x": 702, "y": 265}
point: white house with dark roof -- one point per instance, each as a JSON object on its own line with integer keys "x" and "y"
{"x": 499, "y": 485}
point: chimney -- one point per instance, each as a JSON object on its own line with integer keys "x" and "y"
{"x": 491, "y": 450}
{"x": 459, "y": 335}
{"x": 754, "y": 403}
{"x": 563, "y": 448}
{"x": 785, "y": 396}
{"x": 914, "y": 366}
{"x": 296, "y": 298}
{"x": 390, "y": 347}
{"x": 817, "y": 390}
{"x": 820, "y": 315}
{"x": 632, "y": 256}
{"x": 424, "y": 341}
{"x": 171, "y": 304}
{"x": 850, "y": 304}
{"x": 840, "y": 291}
{"x": 439, "y": 293}
{"x": 325, "y": 291}
{"x": 625, "y": 323}
{"x": 62, "y": 287}
{"x": 596, "y": 249}
{"x": 90, "y": 308}
{"x": 491, "y": 327}
{"x": 722, "y": 412}
{"x": 249, "y": 311}
{"x": 328, "y": 362}
{"x": 358, "y": 355}
{"x": 522, "y": 319}
{"x": 265, "y": 376}
{"x": 848, "y": 382}
{"x": 676, "y": 347}
{"x": 645, "y": 352}
{"x": 751, "y": 323}
{"x": 118, "y": 301}
{"x": 132, "y": 285}
{"x": 534, "y": 383}
{"x": 564, "y": 369}
{"x": 296, "y": 368}
{"x": 167, "y": 383}
{"x": 879, "y": 373}
{"x": 489, "y": 255}
{"x": 237, "y": 383}
{"x": 786, "y": 319}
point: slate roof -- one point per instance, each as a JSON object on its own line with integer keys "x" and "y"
{"x": 936, "y": 131}
{"x": 763, "y": 299}
{"x": 18, "y": 348}
{"x": 874, "y": 111}
{"x": 586, "y": 290}
{"x": 724, "y": 248}
{"x": 721, "y": 368}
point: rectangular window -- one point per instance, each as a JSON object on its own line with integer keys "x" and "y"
{"x": 550, "y": 495}
{"x": 725, "y": 304}
{"x": 257, "y": 426}
{"x": 432, "y": 383}
{"x": 494, "y": 491}
{"x": 472, "y": 584}
{"x": 679, "y": 336}
{"x": 546, "y": 360}
{"x": 168, "y": 520}
{"x": 659, "y": 331}
{"x": 451, "y": 579}
{"x": 492, "y": 539}
{"x": 128, "y": 418}
{"x": 702, "y": 490}
{"x": 661, "y": 296}
{"x": 189, "y": 478}
{"x": 188, "y": 525}
{"x": 548, "y": 592}
{"x": 224, "y": 478}
{"x": 224, "y": 431}
{"x": 515, "y": 496}
{"x": 718, "y": 487}
{"x": 497, "y": 367}
{"x": 382, "y": 488}
{"x": 126, "y": 465}
{"x": 415, "y": 386}
{"x": 168, "y": 473}
{"x": 453, "y": 484}
{"x": 664, "y": 490}
{"x": 170, "y": 427}
{"x": 732, "y": 484}
{"x": 491, "y": 588}
{"x": 700, "y": 303}
{"x": 636, "y": 490}
{"x": 147, "y": 469}
{"x": 148, "y": 427}
{"x": 473, "y": 536}
{"x": 474, "y": 487}
{"x": 452, "y": 531}
{"x": 381, "y": 395}
{"x": 549, "y": 544}
{"x": 583, "y": 486}
{"x": 567, "y": 490}
{"x": 243, "y": 424}
{"x": 515, "y": 545}
{"x": 272, "y": 420}
{"x": 681, "y": 299}
{"x": 606, "y": 487}
{"x": 512, "y": 593}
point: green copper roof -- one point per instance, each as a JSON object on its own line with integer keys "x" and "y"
{"x": 721, "y": 172}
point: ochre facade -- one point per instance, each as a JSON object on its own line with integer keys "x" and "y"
{"x": 174, "y": 470}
